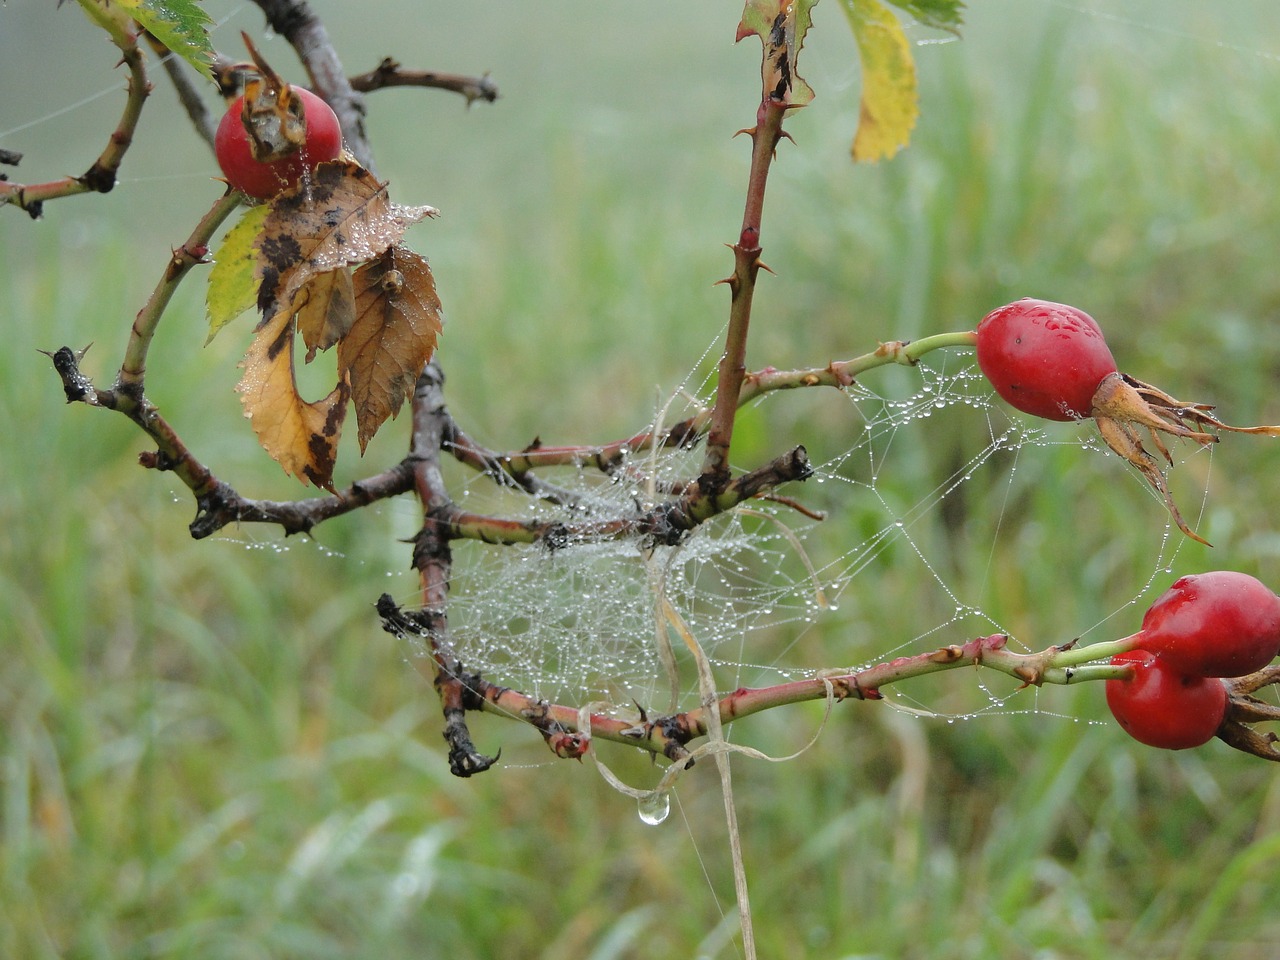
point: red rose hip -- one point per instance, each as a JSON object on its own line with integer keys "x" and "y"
{"x": 1219, "y": 624}
{"x": 1044, "y": 358}
{"x": 1163, "y": 708}
{"x": 264, "y": 180}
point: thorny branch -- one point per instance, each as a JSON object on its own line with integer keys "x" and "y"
{"x": 670, "y": 735}
{"x": 742, "y": 283}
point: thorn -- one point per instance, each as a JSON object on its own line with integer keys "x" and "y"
{"x": 749, "y": 131}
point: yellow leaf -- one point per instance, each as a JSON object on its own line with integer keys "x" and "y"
{"x": 233, "y": 286}
{"x": 326, "y": 309}
{"x": 302, "y": 437}
{"x": 890, "y": 98}
{"x": 339, "y": 216}
{"x": 397, "y": 323}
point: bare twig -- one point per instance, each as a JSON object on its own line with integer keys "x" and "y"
{"x": 220, "y": 505}
{"x": 217, "y": 503}
{"x": 389, "y": 73}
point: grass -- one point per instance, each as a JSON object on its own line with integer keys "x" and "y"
{"x": 211, "y": 750}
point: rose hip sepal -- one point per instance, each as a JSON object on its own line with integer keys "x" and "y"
{"x": 1218, "y": 624}
{"x": 1163, "y": 708}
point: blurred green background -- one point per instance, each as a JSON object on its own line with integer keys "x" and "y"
{"x": 208, "y": 750}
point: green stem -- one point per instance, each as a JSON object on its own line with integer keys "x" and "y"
{"x": 842, "y": 373}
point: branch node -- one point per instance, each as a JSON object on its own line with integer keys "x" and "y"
{"x": 156, "y": 460}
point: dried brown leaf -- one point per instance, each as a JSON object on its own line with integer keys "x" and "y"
{"x": 340, "y": 216}
{"x": 302, "y": 437}
{"x": 326, "y": 307}
{"x": 398, "y": 320}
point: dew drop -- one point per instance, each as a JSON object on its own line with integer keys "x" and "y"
{"x": 654, "y": 808}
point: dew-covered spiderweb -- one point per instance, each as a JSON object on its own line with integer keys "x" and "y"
{"x": 770, "y": 592}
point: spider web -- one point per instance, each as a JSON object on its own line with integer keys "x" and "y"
{"x": 759, "y": 586}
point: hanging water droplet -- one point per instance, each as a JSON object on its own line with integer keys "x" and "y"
{"x": 654, "y": 808}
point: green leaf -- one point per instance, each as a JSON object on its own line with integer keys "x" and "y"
{"x": 939, "y": 14}
{"x": 890, "y": 98}
{"x": 781, "y": 26}
{"x": 181, "y": 25}
{"x": 233, "y": 288}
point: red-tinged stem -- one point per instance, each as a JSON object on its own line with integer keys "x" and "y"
{"x": 670, "y": 735}
{"x": 1056, "y": 665}
{"x": 746, "y": 265}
